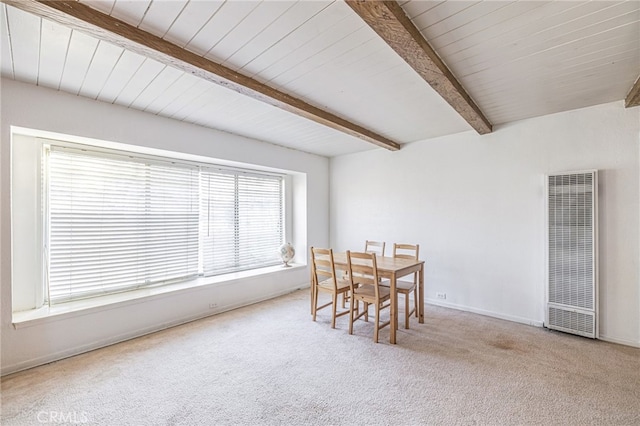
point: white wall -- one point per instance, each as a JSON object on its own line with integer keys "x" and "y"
{"x": 32, "y": 107}
{"x": 475, "y": 204}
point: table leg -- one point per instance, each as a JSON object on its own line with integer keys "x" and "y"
{"x": 421, "y": 295}
{"x": 394, "y": 310}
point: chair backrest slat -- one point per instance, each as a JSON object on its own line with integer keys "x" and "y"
{"x": 322, "y": 265}
{"x": 375, "y": 247}
{"x": 406, "y": 251}
{"x": 365, "y": 268}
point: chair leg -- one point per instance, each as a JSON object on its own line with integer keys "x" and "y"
{"x": 351, "y": 315}
{"x": 406, "y": 311}
{"x": 415, "y": 299}
{"x": 315, "y": 303}
{"x": 333, "y": 310}
{"x": 366, "y": 312}
{"x": 377, "y": 324}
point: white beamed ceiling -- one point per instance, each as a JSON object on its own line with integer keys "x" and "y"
{"x": 515, "y": 59}
{"x": 530, "y": 58}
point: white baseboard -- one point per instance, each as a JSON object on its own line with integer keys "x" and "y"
{"x": 520, "y": 320}
{"x": 512, "y": 318}
{"x": 619, "y": 341}
{"x": 69, "y": 352}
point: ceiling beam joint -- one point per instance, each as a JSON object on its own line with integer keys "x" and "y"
{"x": 390, "y": 22}
{"x": 633, "y": 97}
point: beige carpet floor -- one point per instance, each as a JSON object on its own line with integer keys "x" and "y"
{"x": 269, "y": 364}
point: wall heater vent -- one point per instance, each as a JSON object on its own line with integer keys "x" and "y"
{"x": 572, "y": 273}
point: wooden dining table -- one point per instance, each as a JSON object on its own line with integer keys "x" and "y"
{"x": 393, "y": 268}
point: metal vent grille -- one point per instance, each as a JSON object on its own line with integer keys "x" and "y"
{"x": 572, "y": 236}
{"x": 572, "y": 321}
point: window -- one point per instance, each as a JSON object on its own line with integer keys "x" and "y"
{"x": 115, "y": 222}
{"x": 241, "y": 225}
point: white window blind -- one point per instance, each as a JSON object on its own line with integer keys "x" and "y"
{"x": 118, "y": 223}
{"x": 241, "y": 220}
{"x": 115, "y": 223}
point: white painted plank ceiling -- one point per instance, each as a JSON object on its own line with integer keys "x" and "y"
{"x": 516, "y": 59}
{"x": 525, "y": 59}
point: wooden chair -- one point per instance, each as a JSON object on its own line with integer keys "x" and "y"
{"x": 376, "y": 247}
{"x": 365, "y": 287}
{"x": 407, "y": 251}
{"x": 324, "y": 280}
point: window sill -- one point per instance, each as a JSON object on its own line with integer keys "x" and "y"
{"x": 82, "y": 307}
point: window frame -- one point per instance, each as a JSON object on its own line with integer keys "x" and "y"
{"x": 285, "y": 206}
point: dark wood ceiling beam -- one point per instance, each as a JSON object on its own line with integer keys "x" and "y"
{"x": 633, "y": 98}
{"x": 391, "y": 23}
{"x": 80, "y": 17}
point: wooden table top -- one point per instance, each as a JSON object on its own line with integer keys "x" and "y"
{"x": 384, "y": 264}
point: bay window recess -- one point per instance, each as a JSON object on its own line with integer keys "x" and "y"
{"x": 115, "y": 222}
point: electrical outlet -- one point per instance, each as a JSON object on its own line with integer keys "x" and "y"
{"x": 213, "y": 305}
{"x": 441, "y": 295}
